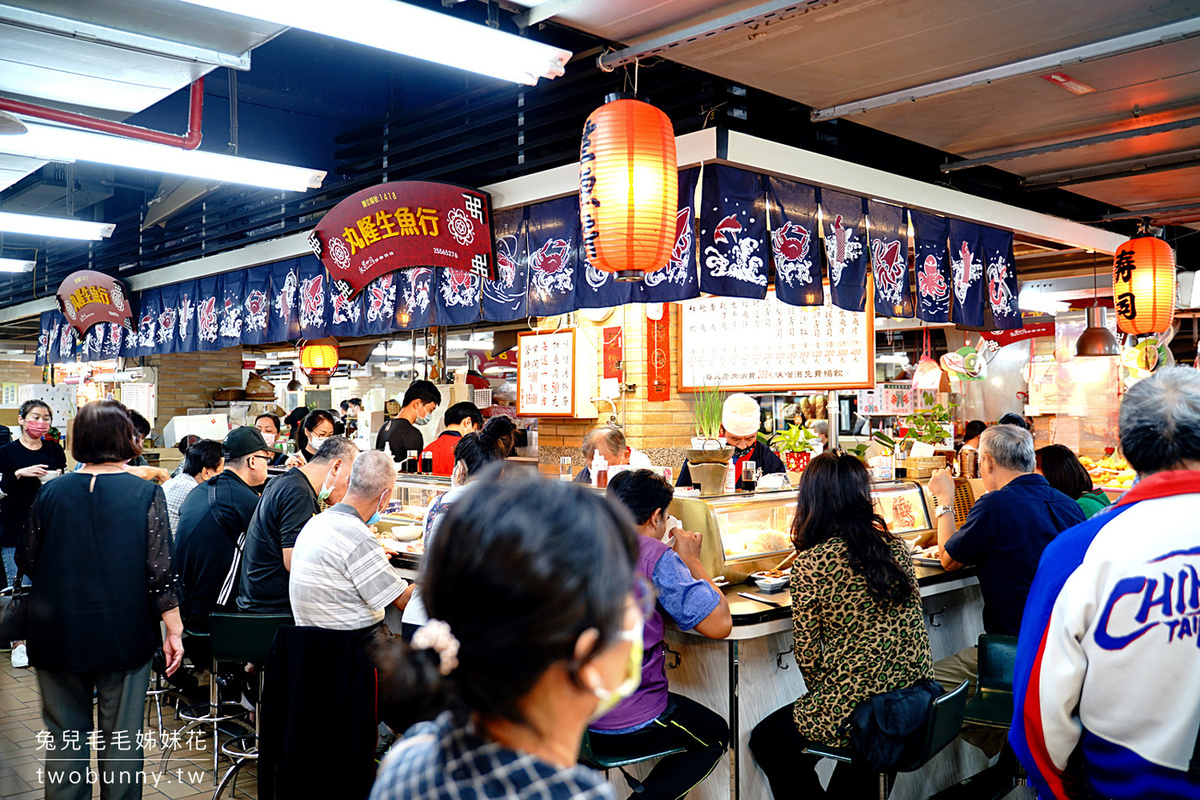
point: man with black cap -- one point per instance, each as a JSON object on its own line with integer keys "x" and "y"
{"x": 212, "y": 528}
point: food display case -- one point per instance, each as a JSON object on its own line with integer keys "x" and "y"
{"x": 746, "y": 533}
{"x": 406, "y": 510}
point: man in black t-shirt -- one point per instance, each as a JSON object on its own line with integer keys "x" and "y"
{"x": 289, "y": 502}
{"x": 421, "y": 398}
{"x": 212, "y": 529}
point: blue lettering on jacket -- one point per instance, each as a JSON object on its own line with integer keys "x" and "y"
{"x": 1153, "y": 603}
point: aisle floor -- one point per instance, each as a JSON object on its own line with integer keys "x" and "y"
{"x": 188, "y": 775}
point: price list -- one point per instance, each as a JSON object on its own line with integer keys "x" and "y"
{"x": 545, "y": 374}
{"x": 754, "y": 345}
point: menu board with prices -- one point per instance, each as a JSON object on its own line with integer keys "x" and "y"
{"x": 140, "y": 397}
{"x": 556, "y": 374}
{"x": 767, "y": 345}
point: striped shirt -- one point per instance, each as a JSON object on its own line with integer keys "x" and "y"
{"x": 340, "y": 576}
{"x": 177, "y": 489}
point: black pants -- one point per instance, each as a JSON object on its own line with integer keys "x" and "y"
{"x": 779, "y": 749}
{"x": 685, "y": 723}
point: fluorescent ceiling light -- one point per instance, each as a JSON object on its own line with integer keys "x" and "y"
{"x": 1038, "y": 301}
{"x": 411, "y": 31}
{"x": 58, "y": 227}
{"x": 15, "y": 265}
{"x": 49, "y": 143}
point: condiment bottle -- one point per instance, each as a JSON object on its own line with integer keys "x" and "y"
{"x": 564, "y": 468}
{"x": 602, "y": 475}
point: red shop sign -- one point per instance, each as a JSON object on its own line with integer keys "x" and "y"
{"x": 1020, "y": 334}
{"x": 405, "y": 224}
{"x": 88, "y": 297}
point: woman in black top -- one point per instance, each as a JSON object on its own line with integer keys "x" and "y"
{"x": 318, "y": 426}
{"x": 24, "y": 464}
{"x": 97, "y": 548}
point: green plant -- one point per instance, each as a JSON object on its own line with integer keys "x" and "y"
{"x": 929, "y": 426}
{"x": 796, "y": 439}
{"x": 706, "y": 412}
{"x": 859, "y": 451}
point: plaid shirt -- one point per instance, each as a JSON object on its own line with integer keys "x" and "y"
{"x": 439, "y": 760}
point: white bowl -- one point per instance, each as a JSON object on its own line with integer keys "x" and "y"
{"x": 769, "y": 584}
{"x": 50, "y": 475}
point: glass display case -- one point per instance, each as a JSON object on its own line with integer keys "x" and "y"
{"x": 406, "y": 510}
{"x": 746, "y": 533}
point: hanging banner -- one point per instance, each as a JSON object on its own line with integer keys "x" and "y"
{"x": 209, "y": 292}
{"x": 88, "y": 297}
{"x": 345, "y": 313}
{"x": 932, "y": 266}
{"x": 379, "y": 306}
{"x": 795, "y": 242}
{"x": 457, "y": 296}
{"x": 414, "y": 298}
{"x": 966, "y": 270}
{"x": 845, "y": 252}
{"x": 1001, "y": 278}
{"x": 733, "y": 233}
{"x": 256, "y": 306}
{"x": 679, "y": 279}
{"x": 150, "y": 305}
{"x": 284, "y": 322}
{"x": 404, "y": 224}
{"x": 166, "y": 338}
{"x": 229, "y": 309}
{"x": 553, "y": 257}
{"x": 504, "y": 298}
{"x": 596, "y": 288}
{"x": 889, "y": 259}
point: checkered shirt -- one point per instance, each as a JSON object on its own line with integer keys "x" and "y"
{"x": 440, "y": 760}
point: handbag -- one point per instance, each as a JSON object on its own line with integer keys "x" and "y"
{"x": 14, "y": 616}
{"x": 882, "y": 727}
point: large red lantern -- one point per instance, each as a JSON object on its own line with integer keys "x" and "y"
{"x": 1144, "y": 284}
{"x": 628, "y": 188}
{"x": 319, "y": 359}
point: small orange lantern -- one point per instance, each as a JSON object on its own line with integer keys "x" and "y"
{"x": 318, "y": 359}
{"x": 628, "y": 188}
{"x": 1144, "y": 284}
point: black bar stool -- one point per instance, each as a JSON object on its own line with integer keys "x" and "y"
{"x": 588, "y": 756}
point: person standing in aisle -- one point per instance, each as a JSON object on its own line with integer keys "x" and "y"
{"x": 24, "y": 466}
{"x": 203, "y": 460}
{"x": 739, "y": 425}
{"x": 288, "y": 503}
{"x": 460, "y": 419}
{"x": 420, "y": 400}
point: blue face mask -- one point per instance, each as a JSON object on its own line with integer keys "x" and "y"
{"x": 375, "y": 517}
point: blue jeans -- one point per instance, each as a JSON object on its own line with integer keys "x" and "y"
{"x": 10, "y": 566}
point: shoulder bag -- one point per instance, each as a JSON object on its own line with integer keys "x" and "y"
{"x": 882, "y": 727}
{"x": 14, "y": 613}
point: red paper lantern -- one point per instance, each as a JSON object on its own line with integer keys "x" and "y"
{"x": 318, "y": 359}
{"x": 1144, "y": 285}
{"x": 628, "y": 188}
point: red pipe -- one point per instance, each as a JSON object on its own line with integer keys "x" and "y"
{"x": 189, "y": 141}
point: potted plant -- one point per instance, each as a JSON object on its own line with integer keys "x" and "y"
{"x": 707, "y": 407}
{"x": 796, "y": 445}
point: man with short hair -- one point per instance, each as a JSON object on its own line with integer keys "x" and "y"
{"x": 609, "y": 441}
{"x": 212, "y": 529}
{"x": 203, "y": 460}
{"x": 420, "y": 400}
{"x": 341, "y": 579}
{"x": 653, "y": 719}
{"x": 460, "y": 419}
{"x": 740, "y": 421}
{"x": 288, "y": 503}
{"x": 1106, "y": 685}
{"x": 1004, "y": 535}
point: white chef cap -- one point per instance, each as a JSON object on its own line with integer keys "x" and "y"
{"x": 740, "y": 415}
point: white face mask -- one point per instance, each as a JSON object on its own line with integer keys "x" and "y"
{"x": 315, "y": 442}
{"x": 609, "y": 698}
{"x": 269, "y": 438}
{"x": 425, "y": 420}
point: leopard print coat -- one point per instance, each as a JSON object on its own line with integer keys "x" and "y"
{"x": 847, "y": 644}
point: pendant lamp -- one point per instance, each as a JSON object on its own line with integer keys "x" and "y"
{"x": 927, "y": 375}
{"x": 1096, "y": 339}
{"x": 318, "y": 359}
{"x": 628, "y": 188}
{"x": 1144, "y": 283}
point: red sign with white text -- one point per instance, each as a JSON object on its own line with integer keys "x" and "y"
{"x": 87, "y": 297}
{"x": 405, "y": 224}
{"x": 1020, "y": 334}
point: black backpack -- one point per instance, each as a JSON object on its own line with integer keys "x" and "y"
{"x": 881, "y": 727}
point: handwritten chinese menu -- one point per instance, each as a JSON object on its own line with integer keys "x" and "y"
{"x": 752, "y": 345}
{"x": 546, "y": 374}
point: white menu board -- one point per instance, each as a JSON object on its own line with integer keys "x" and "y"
{"x": 546, "y": 372}
{"x": 140, "y": 397}
{"x": 768, "y": 345}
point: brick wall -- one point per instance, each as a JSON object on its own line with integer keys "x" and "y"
{"x": 188, "y": 380}
{"x": 22, "y": 372}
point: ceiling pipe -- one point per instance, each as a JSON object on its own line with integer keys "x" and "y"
{"x": 188, "y": 141}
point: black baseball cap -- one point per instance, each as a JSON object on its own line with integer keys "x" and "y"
{"x": 245, "y": 440}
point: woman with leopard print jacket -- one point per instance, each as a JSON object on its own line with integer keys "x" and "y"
{"x": 857, "y": 623}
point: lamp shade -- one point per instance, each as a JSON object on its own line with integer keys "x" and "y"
{"x": 318, "y": 359}
{"x": 927, "y": 375}
{"x": 628, "y": 188}
{"x": 1144, "y": 285}
{"x": 1097, "y": 339}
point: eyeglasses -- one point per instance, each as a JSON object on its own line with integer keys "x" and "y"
{"x": 250, "y": 459}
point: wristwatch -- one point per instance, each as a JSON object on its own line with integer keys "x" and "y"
{"x": 942, "y": 511}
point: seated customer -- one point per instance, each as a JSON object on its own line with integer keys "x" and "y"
{"x": 460, "y": 419}
{"x": 609, "y": 441}
{"x": 857, "y": 623}
{"x": 202, "y": 461}
{"x": 340, "y": 576}
{"x": 739, "y": 425}
{"x": 1060, "y": 467}
{"x": 653, "y": 718}
{"x": 534, "y": 619}
{"x": 288, "y": 503}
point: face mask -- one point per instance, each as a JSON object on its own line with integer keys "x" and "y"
{"x": 315, "y": 442}
{"x": 378, "y": 512}
{"x": 609, "y": 698}
{"x": 36, "y": 430}
{"x": 459, "y": 475}
{"x": 326, "y": 489}
{"x": 425, "y": 420}
{"x": 738, "y": 452}
{"x": 269, "y": 438}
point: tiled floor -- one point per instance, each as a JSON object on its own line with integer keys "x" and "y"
{"x": 188, "y": 774}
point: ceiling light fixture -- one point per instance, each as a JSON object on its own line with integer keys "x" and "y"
{"x": 50, "y": 143}
{"x": 411, "y": 31}
{"x": 16, "y": 265}
{"x": 1096, "y": 340}
{"x": 1039, "y": 301}
{"x": 55, "y": 227}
